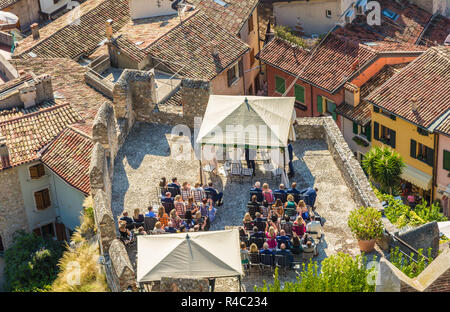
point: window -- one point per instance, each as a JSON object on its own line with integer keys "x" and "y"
{"x": 327, "y": 106}
{"x": 42, "y": 199}
{"x": 234, "y": 73}
{"x": 446, "y": 160}
{"x": 37, "y": 171}
{"x": 422, "y": 152}
{"x": 299, "y": 93}
{"x": 48, "y": 230}
{"x": 384, "y": 134}
{"x": 250, "y": 24}
{"x": 328, "y": 13}
{"x": 355, "y": 128}
{"x": 280, "y": 85}
{"x": 252, "y": 57}
{"x": 422, "y": 131}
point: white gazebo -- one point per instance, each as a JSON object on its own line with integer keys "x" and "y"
{"x": 254, "y": 122}
{"x": 188, "y": 255}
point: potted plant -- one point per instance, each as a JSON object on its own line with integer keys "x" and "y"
{"x": 366, "y": 225}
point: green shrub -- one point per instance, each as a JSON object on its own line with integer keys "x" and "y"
{"x": 340, "y": 273}
{"x": 31, "y": 263}
{"x": 285, "y": 33}
{"x": 365, "y": 223}
{"x": 408, "y": 266}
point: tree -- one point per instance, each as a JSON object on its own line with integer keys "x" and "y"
{"x": 384, "y": 166}
{"x": 31, "y": 263}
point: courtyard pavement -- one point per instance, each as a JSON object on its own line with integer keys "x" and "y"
{"x": 148, "y": 154}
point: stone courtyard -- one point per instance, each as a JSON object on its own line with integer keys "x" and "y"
{"x": 149, "y": 154}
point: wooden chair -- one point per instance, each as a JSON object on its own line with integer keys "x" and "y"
{"x": 149, "y": 223}
{"x": 247, "y": 172}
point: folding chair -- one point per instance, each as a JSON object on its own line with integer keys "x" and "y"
{"x": 149, "y": 223}
{"x": 168, "y": 207}
{"x": 261, "y": 225}
{"x": 245, "y": 240}
{"x": 248, "y": 226}
{"x": 247, "y": 172}
{"x": 254, "y": 261}
{"x": 267, "y": 263}
{"x": 282, "y": 263}
{"x": 279, "y": 195}
{"x": 236, "y": 170}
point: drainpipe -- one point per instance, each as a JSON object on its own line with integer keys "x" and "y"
{"x": 312, "y": 101}
{"x": 436, "y": 157}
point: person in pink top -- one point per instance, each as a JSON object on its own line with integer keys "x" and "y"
{"x": 271, "y": 235}
{"x": 267, "y": 193}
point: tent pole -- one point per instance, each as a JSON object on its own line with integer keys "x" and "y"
{"x": 284, "y": 160}
{"x": 200, "y": 161}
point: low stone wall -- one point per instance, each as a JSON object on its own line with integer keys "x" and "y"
{"x": 422, "y": 237}
{"x": 98, "y": 83}
{"x": 170, "y": 284}
{"x": 6, "y": 68}
{"x": 6, "y": 39}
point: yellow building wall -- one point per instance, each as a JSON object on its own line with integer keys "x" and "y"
{"x": 405, "y": 131}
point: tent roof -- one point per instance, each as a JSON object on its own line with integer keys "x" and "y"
{"x": 191, "y": 255}
{"x": 247, "y": 121}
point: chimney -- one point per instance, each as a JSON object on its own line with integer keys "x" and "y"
{"x": 214, "y": 49}
{"x": 35, "y": 31}
{"x": 414, "y": 104}
{"x": 109, "y": 29}
{"x": 181, "y": 7}
{"x": 4, "y": 153}
{"x": 27, "y": 94}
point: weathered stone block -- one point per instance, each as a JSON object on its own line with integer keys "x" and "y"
{"x": 170, "y": 284}
{"x": 104, "y": 219}
{"x": 122, "y": 266}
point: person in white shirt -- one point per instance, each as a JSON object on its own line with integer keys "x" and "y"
{"x": 314, "y": 226}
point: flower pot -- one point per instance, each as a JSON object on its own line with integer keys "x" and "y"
{"x": 366, "y": 245}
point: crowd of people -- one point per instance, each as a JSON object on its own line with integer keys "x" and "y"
{"x": 183, "y": 209}
{"x": 279, "y": 223}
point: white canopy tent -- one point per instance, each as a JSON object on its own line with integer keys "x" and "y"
{"x": 188, "y": 255}
{"x": 444, "y": 228}
{"x": 248, "y": 121}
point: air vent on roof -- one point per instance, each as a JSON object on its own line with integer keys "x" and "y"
{"x": 32, "y": 54}
{"x": 220, "y": 2}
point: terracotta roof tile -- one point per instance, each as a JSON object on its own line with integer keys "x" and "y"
{"x": 426, "y": 79}
{"x": 361, "y": 113}
{"x": 28, "y": 130}
{"x": 7, "y": 3}
{"x": 437, "y": 31}
{"x": 66, "y": 38}
{"x": 231, "y": 17}
{"x": 444, "y": 127}
{"x": 69, "y": 156}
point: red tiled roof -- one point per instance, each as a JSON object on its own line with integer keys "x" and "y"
{"x": 68, "y": 38}
{"x": 361, "y": 113}
{"x": 186, "y": 49}
{"x": 427, "y": 79}
{"x": 69, "y": 156}
{"x": 68, "y": 82}
{"x": 437, "y": 31}
{"x": 231, "y": 17}
{"x": 444, "y": 127}
{"x": 7, "y": 3}
{"x": 27, "y": 131}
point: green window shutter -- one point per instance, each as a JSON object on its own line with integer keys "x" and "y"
{"x": 376, "y": 131}
{"x": 446, "y": 160}
{"x": 355, "y": 128}
{"x": 413, "y": 149}
{"x": 392, "y": 140}
{"x": 299, "y": 94}
{"x": 333, "y": 111}
{"x": 319, "y": 104}
{"x": 430, "y": 156}
{"x": 280, "y": 85}
{"x": 369, "y": 133}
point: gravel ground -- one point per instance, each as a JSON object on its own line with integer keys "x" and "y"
{"x": 148, "y": 155}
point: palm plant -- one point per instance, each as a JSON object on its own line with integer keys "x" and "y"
{"x": 384, "y": 166}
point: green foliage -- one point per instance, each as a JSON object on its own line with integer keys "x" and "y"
{"x": 384, "y": 166}
{"x": 402, "y": 215}
{"x": 31, "y": 263}
{"x": 285, "y": 33}
{"x": 340, "y": 273}
{"x": 408, "y": 266}
{"x": 365, "y": 223}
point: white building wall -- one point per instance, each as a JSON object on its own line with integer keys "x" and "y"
{"x": 347, "y": 132}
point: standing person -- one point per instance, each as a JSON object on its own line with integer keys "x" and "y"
{"x": 244, "y": 255}
{"x": 291, "y": 158}
{"x": 174, "y": 184}
{"x": 179, "y": 206}
{"x": 186, "y": 191}
{"x": 250, "y": 159}
{"x": 267, "y": 193}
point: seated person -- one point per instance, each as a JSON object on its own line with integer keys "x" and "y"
{"x": 206, "y": 224}
{"x": 314, "y": 226}
{"x": 191, "y": 206}
{"x": 167, "y": 198}
{"x": 311, "y": 195}
{"x": 283, "y": 239}
{"x": 244, "y": 254}
{"x": 254, "y": 203}
{"x": 170, "y": 228}
{"x": 302, "y": 210}
{"x": 216, "y": 196}
{"x": 283, "y": 251}
{"x": 281, "y": 190}
{"x": 266, "y": 251}
{"x": 310, "y": 247}
{"x": 254, "y": 253}
{"x": 305, "y": 214}
{"x": 141, "y": 231}
{"x": 278, "y": 208}
{"x": 188, "y": 220}
{"x": 179, "y": 206}
{"x": 163, "y": 186}
{"x": 286, "y": 225}
{"x": 182, "y": 229}
{"x": 125, "y": 233}
{"x": 293, "y": 189}
{"x": 204, "y": 207}
{"x": 256, "y": 188}
{"x": 290, "y": 206}
{"x": 296, "y": 244}
{"x": 264, "y": 208}
{"x": 299, "y": 226}
{"x": 257, "y": 234}
{"x": 158, "y": 228}
{"x": 128, "y": 220}
{"x": 198, "y": 220}
{"x": 175, "y": 219}
{"x": 198, "y": 192}
{"x": 247, "y": 221}
{"x": 212, "y": 213}
{"x": 150, "y": 212}
{"x": 260, "y": 220}
{"x": 138, "y": 218}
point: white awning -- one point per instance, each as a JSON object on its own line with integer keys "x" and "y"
{"x": 248, "y": 121}
{"x": 444, "y": 228}
{"x": 188, "y": 255}
{"x": 417, "y": 177}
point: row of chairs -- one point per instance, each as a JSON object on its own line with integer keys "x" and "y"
{"x": 276, "y": 195}
{"x": 266, "y": 263}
